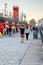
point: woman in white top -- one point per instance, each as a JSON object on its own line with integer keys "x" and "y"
{"x": 27, "y": 31}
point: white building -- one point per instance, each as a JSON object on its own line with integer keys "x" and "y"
{"x": 40, "y": 22}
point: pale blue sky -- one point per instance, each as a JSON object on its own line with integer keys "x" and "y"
{"x": 32, "y": 8}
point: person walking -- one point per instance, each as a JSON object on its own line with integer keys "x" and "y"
{"x": 22, "y": 29}
{"x": 10, "y": 31}
{"x": 27, "y": 31}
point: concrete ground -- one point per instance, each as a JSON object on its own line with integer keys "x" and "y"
{"x": 13, "y": 52}
{"x": 34, "y": 54}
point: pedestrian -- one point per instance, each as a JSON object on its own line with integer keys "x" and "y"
{"x": 27, "y": 31}
{"x": 7, "y": 30}
{"x": 10, "y": 31}
{"x": 22, "y": 29}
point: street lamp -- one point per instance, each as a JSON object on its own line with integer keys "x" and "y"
{"x": 5, "y": 8}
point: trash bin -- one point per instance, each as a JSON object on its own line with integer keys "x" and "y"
{"x": 35, "y": 35}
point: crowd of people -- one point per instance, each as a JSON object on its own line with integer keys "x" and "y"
{"x": 7, "y": 31}
{"x": 24, "y": 32}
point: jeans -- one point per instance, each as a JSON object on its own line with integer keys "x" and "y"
{"x": 10, "y": 34}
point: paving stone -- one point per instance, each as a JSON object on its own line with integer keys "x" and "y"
{"x": 12, "y": 50}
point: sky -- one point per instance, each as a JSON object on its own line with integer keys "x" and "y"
{"x": 32, "y": 8}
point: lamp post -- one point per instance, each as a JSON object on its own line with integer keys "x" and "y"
{"x": 5, "y": 9}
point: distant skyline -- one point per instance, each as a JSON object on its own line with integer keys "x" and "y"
{"x": 32, "y": 8}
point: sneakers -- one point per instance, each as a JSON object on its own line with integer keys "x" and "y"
{"x": 22, "y": 41}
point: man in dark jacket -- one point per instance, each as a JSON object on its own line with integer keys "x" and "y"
{"x": 10, "y": 31}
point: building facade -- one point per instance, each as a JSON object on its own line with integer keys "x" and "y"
{"x": 32, "y": 23}
{"x": 40, "y": 22}
{"x": 16, "y": 14}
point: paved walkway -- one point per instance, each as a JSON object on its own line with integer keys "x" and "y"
{"x": 13, "y": 52}
{"x": 34, "y": 54}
